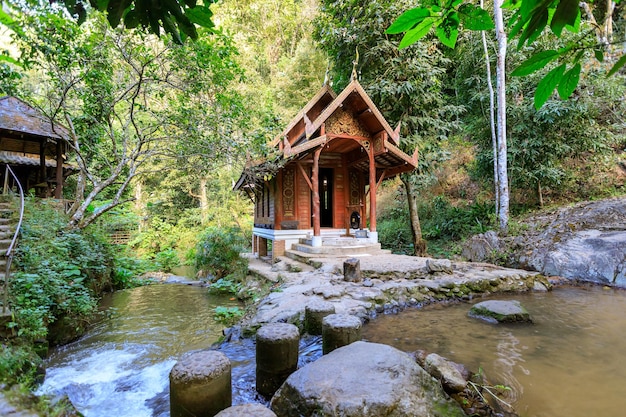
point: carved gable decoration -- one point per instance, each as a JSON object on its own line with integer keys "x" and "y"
{"x": 342, "y": 122}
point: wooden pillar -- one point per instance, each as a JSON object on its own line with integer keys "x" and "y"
{"x": 278, "y": 201}
{"x": 42, "y": 162}
{"x": 58, "y": 192}
{"x": 316, "y": 193}
{"x": 372, "y": 190}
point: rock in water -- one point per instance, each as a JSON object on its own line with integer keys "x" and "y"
{"x": 364, "y": 380}
{"x": 499, "y": 311}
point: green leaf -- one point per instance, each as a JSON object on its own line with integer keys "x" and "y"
{"x": 417, "y": 33}
{"x": 201, "y": 16}
{"x": 619, "y": 64}
{"x": 547, "y": 85}
{"x": 131, "y": 20}
{"x": 7, "y": 58}
{"x": 533, "y": 29}
{"x": 566, "y": 13}
{"x": 535, "y": 63}
{"x": 115, "y": 10}
{"x": 408, "y": 20}
{"x": 171, "y": 28}
{"x": 448, "y": 30}
{"x": 569, "y": 82}
{"x": 475, "y": 18}
{"x": 599, "y": 53}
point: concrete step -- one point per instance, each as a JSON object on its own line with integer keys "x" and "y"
{"x": 338, "y": 249}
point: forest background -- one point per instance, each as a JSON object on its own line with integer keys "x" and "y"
{"x": 162, "y": 127}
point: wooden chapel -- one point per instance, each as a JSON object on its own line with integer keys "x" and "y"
{"x": 332, "y": 157}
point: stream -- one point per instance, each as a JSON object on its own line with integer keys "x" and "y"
{"x": 568, "y": 363}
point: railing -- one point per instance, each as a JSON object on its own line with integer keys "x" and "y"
{"x": 9, "y": 253}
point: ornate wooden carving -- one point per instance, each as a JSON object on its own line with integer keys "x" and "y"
{"x": 289, "y": 175}
{"x": 355, "y": 188}
{"x": 342, "y": 122}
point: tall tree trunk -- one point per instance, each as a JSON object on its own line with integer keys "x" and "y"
{"x": 419, "y": 244}
{"x": 492, "y": 119}
{"x": 503, "y": 183}
{"x": 204, "y": 200}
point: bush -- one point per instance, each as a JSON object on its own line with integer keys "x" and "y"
{"x": 59, "y": 273}
{"x": 19, "y": 365}
{"x": 394, "y": 232}
{"x": 218, "y": 254}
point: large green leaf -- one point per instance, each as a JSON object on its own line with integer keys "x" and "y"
{"x": 569, "y": 82}
{"x": 535, "y": 62}
{"x": 115, "y": 11}
{"x": 475, "y": 18}
{"x": 547, "y": 85}
{"x": 534, "y": 27}
{"x": 417, "y": 33}
{"x": 407, "y": 20}
{"x": 567, "y": 11}
{"x": 448, "y": 30}
{"x": 201, "y": 16}
{"x": 619, "y": 64}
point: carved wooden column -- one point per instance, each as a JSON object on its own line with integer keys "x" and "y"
{"x": 373, "y": 234}
{"x": 317, "y": 237}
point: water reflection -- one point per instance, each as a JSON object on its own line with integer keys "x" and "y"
{"x": 569, "y": 363}
{"x": 121, "y": 367}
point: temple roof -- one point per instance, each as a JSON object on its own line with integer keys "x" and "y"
{"x": 18, "y": 117}
{"x": 344, "y": 123}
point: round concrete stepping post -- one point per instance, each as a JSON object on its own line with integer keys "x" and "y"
{"x": 314, "y": 313}
{"x": 339, "y": 330}
{"x": 200, "y": 385}
{"x": 247, "y": 410}
{"x": 277, "y": 346}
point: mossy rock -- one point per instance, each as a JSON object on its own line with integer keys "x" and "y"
{"x": 499, "y": 311}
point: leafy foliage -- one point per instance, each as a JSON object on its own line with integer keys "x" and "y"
{"x": 178, "y": 18}
{"x": 528, "y": 21}
{"x": 19, "y": 365}
{"x": 228, "y": 315}
{"x": 60, "y": 272}
{"x": 218, "y": 254}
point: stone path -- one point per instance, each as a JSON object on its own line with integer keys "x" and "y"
{"x": 391, "y": 283}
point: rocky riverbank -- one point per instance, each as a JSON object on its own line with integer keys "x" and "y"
{"x": 390, "y": 283}
{"x": 583, "y": 242}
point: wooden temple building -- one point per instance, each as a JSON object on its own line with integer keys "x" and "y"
{"x": 332, "y": 157}
{"x": 34, "y": 147}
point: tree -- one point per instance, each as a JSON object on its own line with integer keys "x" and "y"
{"x": 178, "y": 18}
{"x": 406, "y": 84}
{"x": 126, "y": 99}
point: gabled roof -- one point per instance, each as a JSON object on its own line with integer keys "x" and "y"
{"x": 309, "y": 112}
{"x": 18, "y": 117}
{"x": 304, "y": 134}
{"x": 357, "y": 99}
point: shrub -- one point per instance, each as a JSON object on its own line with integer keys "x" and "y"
{"x": 218, "y": 254}
{"x": 19, "y": 365}
{"x": 59, "y": 272}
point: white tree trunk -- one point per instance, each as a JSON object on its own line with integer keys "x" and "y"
{"x": 492, "y": 119}
{"x": 503, "y": 183}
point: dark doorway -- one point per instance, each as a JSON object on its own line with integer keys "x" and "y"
{"x": 326, "y": 197}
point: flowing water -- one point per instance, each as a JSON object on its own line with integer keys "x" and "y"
{"x": 121, "y": 367}
{"x": 570, "y": 362}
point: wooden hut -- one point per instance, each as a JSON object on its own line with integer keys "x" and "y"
{"x": 330, "y": 160}
{"x": 34, "y": 147}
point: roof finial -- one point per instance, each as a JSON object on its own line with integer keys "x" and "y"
{"x": 354, "y": 65}
{"x": 327, "y": 75}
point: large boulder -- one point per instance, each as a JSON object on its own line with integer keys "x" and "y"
{"x": 363, "y": 380}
